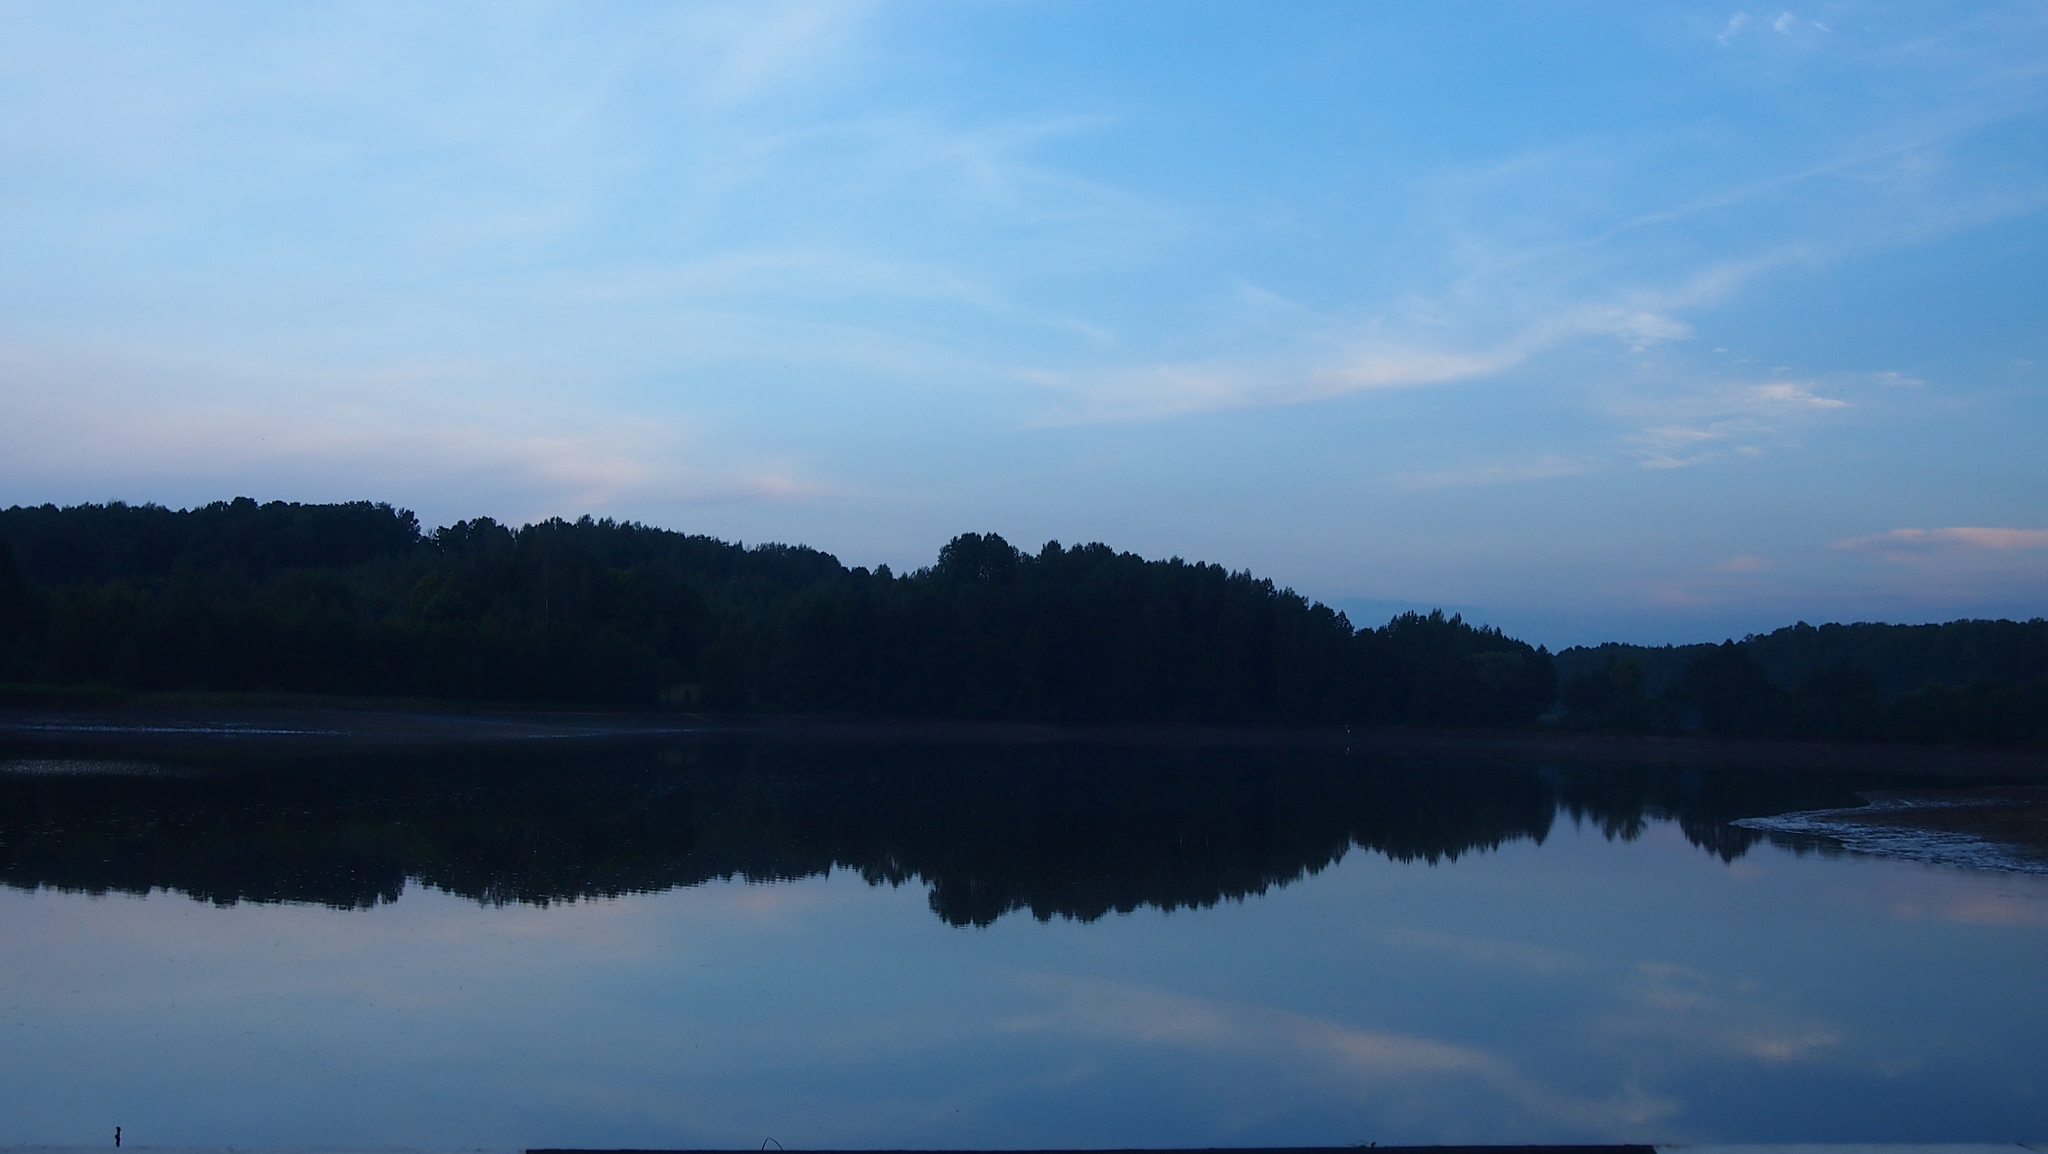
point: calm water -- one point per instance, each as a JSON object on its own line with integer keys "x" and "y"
{"x": 712, "y": 946}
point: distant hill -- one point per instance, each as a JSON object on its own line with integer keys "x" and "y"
{"x": 1901, "y": 658}
{"x": 1966, "y": 681}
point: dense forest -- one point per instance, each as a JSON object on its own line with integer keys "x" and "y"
{"x": 1975, "y": 681}
{"x": 1899, "y": 658}
{"x": 356, "y": 600}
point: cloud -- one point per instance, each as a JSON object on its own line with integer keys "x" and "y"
{"x": 1790, "y": 24}
{"x": 1912, "y": 544}
{"x": 1710, "y": 418}
{"x": 1170, "y": 390}
{"x": 1331, "y": 361}
{"x": 760, "y": 47}
{"x": 1718, "y": 583}
{"x": 1540, "y": 469}
{"x": 1785, "y": 23}
{"x": 1747, "y": 563}
{"x": 1791, "y": 395}
{"x": 1666, "y": 446}
{"x": 422, "y": 430}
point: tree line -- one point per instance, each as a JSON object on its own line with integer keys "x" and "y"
{"x": 357, "y": 600}
{"x": 1980, "y": 682}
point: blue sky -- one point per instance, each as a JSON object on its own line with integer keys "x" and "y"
{"x": 1626, "y": 321}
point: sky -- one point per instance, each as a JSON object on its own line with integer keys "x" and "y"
{"x": 1635, "y": 321}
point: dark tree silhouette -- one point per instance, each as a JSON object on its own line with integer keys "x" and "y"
{"x": 355, "y": 600}
{"x": 1732, "y": 692}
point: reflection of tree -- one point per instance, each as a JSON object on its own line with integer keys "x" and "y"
{"x": 1067, "y": 832}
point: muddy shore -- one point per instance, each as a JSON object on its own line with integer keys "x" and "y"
{"x": 2003, "y": 828}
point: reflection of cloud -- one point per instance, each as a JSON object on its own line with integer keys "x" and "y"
{"x": 1360, "y": 1060}
{"x": 1488, "y": 951}
{"x": 1680, "y": 1005}
{"x": 1908, "y": 544}
{"x": 1966, "y": 897}
{"x": 1995, "y": 909}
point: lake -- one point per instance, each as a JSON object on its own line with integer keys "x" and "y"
{"x": 705, "y": 944}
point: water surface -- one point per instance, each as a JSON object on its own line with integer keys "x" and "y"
{"x": 714, "y": 945}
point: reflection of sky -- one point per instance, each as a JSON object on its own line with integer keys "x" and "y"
{"x": 1581, "y": 989}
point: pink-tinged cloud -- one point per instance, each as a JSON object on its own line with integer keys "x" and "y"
{"x": 1919, "y": 542}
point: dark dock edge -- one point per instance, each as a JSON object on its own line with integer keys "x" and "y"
{"x": 1605, "y": 1149}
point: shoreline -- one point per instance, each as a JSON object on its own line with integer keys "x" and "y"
{"x": 341, "y": 728}
{"x": 2002, "y": 830}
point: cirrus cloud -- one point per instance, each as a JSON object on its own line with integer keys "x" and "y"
{"x": 1906, "y": 544}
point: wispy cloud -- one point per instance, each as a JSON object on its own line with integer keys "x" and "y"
{"x": 1540, "y": 296}
{"x": 1171, "y": 390}
{"x": 1919, "y": 544}
{"x": 230, "y": 422}
{"x": 1540, "y": 469}
{"x": 1733, "y": 28}
{"x": 1711, "y": 584}
{"x": 1330, "y": 360}
{"x": 1720, "y": 419}
{"x": 1793, "y": 396}
{"x": 762, "y": 282}
{"x": 1744, "y": 563}
{"x": 756, "y": 48}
